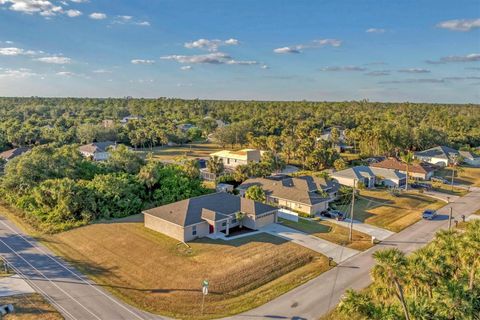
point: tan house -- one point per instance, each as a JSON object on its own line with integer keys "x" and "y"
{"x": 13, "y": 153}
{"x": 310, "y": 195}
{"x": 232, "y": 159}
{"x": 198, "y": 217}
{"x": 420, "y": 170}
{"x": 97, "y": 151}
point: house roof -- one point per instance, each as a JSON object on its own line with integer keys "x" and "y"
{"x": 393, "y": 163}
{"x": 360, "y": 172}
{"x": 96, "y": 147}
{"x": 239, "y": 155}
{"x": 299, "y": 189}
{"x": 468, "y": 155}
{"x": 12, "y": 153}
{"x": 213, "y": 207}
{"x": 441, "y": 152}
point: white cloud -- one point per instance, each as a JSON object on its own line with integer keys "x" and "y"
{"x": 142, "y": 61}
{"x": 320, "y": 43}
{"x": 462, "y": 25}
{"x": 414, "y": 70}
{"x": 211, "y": 45}
{"x": 211, "y": 58}
{"x": 467, "y": 58}
{"x": 186, "y": 68}
{"x": 264, "y": 66}
{"x": 43, "y": 7}
{"x": 343, "y": 68}
{"x": 16, "y": 73}
{"x": 375, "y": 30}
{"x": 55, "y": 60}
{"x": 100, "y": 71}
{"x": 378, "y": 73}
{"x": 143, "y": 23}
{"x": 73, "y": 13}
{"x": 124, "y": 19}
{"x": 12, "y": 51}
{"x": 79, "y": 1}
{"x": 65, "y": 74}
{"x": 98, "y": 16}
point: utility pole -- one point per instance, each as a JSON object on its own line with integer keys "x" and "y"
{"x": 351, "y": 210}
{"x": 450, "y": 215}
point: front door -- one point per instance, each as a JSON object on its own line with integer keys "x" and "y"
{"x": 211, "y": 228}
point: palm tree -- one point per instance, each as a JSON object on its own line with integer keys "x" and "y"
{"x": 408, "y": 158}
{"x": 215, "y": 165}
{"x": 389, "y": 273}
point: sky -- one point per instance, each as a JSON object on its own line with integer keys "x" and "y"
{"x": 337, "y": 50}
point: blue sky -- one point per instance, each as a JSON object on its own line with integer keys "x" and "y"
{"x": 381, "y": 50}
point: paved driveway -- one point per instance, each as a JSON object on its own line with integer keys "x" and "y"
{"x": 329, "y": 249}
{"x": 374, "y": 231}
{"x": 13, "y": 285}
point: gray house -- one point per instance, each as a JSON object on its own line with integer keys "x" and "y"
{"x": 97, "y": 151}
{"x": 440, "y": 156}
{"x": 369, "y": 176}
{"x": 198, "y": 217}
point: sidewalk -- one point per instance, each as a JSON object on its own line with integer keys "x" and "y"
{"x": 13, "y": 285}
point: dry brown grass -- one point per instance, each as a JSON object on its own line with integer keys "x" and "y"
{"x": 332, "y": 232}
{"x": 156, "y": 273}
{"x": 380, "y": 208}
{"x": 469, "y": 176}
{"x": 30, "y": 307}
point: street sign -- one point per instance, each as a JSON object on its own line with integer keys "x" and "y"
{"x": 205, "y": 291}
{"x": 205, "y": 283}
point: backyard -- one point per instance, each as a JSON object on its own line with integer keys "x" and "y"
{"x": 395, "y": 213}
{"x": 331, "y": 232}
{"x": 469, "y": 176}
{"x": 161, "y": 275}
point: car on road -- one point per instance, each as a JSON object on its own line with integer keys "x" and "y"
{"x": 439, "y": 179}
{"x": 429, "y": 214}
{"x": 418, "y": 185}
{"x": 334, "y": 214}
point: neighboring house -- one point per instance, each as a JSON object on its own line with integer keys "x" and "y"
{"x": 224, "y": 187}
{"x": 198, "y": 217}
{"x": 232, "y": 159}
{"x": 306, "y": 194}
{"x": 341, "y": 145}
{"x": 369, "y": 176}
{"x": 470, "y": 158}
{"x": 13, "y": 153}
{"x": 97, "y": 151}
{"x": 440, "y": 156}
{"x": 420, "y": 170}
{"x": 108, "y": 123}
{"x": 127, "y": 119}
{"x": 185, "y": 126}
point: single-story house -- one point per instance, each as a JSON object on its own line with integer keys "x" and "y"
{"x": 470, "y": 158}
{"x": 198, "y": 217}
{"x": 13, "y": 153}
{"x": 369, "y": 176}
{"x": 127, "y": 119}
{"x": 420, "y": 170}
{"x": 232, "y": 159}
{"x": 306, "y": 194}
{"x": 440, "y": 156}
{"x": 97, "y": 151}
{"x": 340, "y": 145}
{"x": 185, "y": 126}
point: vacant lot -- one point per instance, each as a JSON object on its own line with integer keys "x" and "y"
{"x": 380, "y": 208}
{"x": 30, "y": 307}
{"x": 156, "y": 273}
{"x": 331, "y": 232}
{"x": 464, "y": 175}
{"x": 193, "y": 150}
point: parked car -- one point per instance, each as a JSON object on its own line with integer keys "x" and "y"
{"x": 418, "y": 185}
{"x": 429, "y": 214}
{"x": 334, "y": 214}
{"x": 440, "y": 179}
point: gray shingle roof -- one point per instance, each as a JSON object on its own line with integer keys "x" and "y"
{"x": 442, "y": 152}
{"x": 299, "y": 189}
{"x": 213, "y": 207}
{"x": 12, "y": 153}
{"x": 97, "y": 146}
{"x": 359, "y": 172}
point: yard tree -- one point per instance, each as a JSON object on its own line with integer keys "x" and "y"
{"x": 240, "y": 216}
{"x": 123, "y": 159}
{"x": 339, "y": 164}
{"x": 408, "y": 159}
{"x": 215, "y": 165}
{"x": 255, "y": 193}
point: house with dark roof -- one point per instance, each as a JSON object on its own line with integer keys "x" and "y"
{"x": 97, "y": 151}
{"x": 370, "y": 176}
{"x": 422, "y": 170}
{"x": 13, "y": 153}
{"x": 440, "y": 156}
{"x": 206, "y": 215}
{"x": 306, "y": 194}
{"x": 470, "y": 158}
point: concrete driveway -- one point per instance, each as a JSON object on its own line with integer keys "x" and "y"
{"x": 329, "y": 249}
{"x": 378, "y": 233}
{"x": 13, "y": 285}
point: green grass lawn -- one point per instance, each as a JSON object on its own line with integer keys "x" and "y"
{"x": 380, "y": 208}
{"x": 191, "y": 150}
{"x": 331, "y": 232}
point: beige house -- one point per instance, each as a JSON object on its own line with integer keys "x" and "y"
{"x": 97, "y": 151}
{"x": 310, "y": 195}
{"x": 370, "y": 176}
{"x": 198, "y": 217}
{"x": 422, "y": 170}
{"x": 232, "y": 159}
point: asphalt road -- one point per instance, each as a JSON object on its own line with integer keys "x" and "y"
{"x": 78, "y": 298}
{"x": 317, "y": 297}
{"x": 70, "y": 292}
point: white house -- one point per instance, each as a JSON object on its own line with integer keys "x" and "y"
{"x": 369, "y": 176}
{"x": 440, "y": 156}
{"x": 470, "y": 158}
{"x": 97, "y": 151}
{"x": 232, "y": 159}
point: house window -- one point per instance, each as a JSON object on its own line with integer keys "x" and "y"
{"x": 194, "y": 230}
{"x": 224, "y": 224}
{"x": 234, "y": 221}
